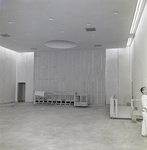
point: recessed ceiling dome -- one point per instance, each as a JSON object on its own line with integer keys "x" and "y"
{"x": 60, "y": 44}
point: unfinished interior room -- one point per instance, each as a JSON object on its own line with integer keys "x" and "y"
{"x": 71, "y": 73}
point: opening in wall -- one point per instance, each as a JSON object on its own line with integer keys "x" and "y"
{"x": 21, "y": 92}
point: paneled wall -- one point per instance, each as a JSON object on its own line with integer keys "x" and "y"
{"x": 118, "y": 75}
{"x": 138, "y": 56}
{"x": 7, "y": 75}
{"x": 71, "y": 71}
{"x": 25, "y": 73}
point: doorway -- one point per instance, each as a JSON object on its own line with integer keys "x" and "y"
{"x": 21, "y": 92}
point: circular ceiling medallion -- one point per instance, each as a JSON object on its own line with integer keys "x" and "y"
{"x": 60, "y": 44}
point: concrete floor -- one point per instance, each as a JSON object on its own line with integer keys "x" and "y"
{"x": 24, "y": 126}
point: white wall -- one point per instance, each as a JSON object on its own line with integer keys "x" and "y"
{"x": 82, "y": 71}
{"x": 138, "y": 56}
{"x": 7, "y": 75}
{"x": 25, "y": 73}
{"x": 72, "y": 71}
{"x": 118, "y": 75}
{"x": 133, "y": 60}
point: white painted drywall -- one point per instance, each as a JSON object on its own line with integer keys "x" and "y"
{"x": 138, "y": 57}
{"x": 71, "y": 71}
{"x": 7, "y": 75}
{"x": 118, "y": 75}
{"x": 25, "y": 73}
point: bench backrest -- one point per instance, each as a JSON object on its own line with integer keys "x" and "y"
{"x": 39, "y": 93}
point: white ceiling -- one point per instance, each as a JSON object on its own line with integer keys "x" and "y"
{"x": 29, "y": 24}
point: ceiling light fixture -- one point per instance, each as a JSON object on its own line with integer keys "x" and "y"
{"x": 60, "y": 44}
{"x": 129, "y": 42}
{"x": 136, "y": 16}
{"x": 116, "y": 12}
{"x": 130, "y": 39}
{"x": 51, "y": 19}
{"x": 10, "y": 22}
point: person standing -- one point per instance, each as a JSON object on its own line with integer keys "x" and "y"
{"x": 144, "y": 111}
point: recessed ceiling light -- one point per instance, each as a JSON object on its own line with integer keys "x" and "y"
{"x": 10, "y": 22}
{"x": 88, "y": 24}
{"x": 50, "y": 18}
{"x": 116, "y": 12}
{"x": 62, "y": 31}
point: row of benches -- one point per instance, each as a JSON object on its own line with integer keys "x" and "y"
{"x": 42, "y": 97}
